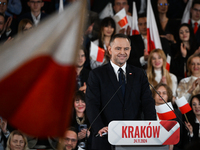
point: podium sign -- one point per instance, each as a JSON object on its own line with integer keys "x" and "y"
{"x": 143, "y": 132}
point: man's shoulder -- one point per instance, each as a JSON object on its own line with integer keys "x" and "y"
{"x": 101, "y": 68}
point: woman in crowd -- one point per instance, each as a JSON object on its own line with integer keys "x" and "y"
{"x": 166, "y": 27}
{"x": 17, "y": 141}
{"x": 194, "y": 121}
{"x": 186, "y": 46}
{"x": 80, "y": 121}
{"x": 24, "y": 25}
{"x": 156, "y": 70}
{"x": 189, "y": 86}
{"x": 107, "y": 30}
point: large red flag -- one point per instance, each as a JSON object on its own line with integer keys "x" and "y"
{"x": 37, "y": 78}
{"x": 135, "y": 30}
{"x": 153, "y": 39}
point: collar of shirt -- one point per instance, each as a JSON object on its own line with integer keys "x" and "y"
{"x": 197, "y": 121}
{"x": 116, "y": 68}
{"x": 194, "y": 78}
{"x": 192, "y": 21}
{"x": 145, "y": 42}
{"x": 36, "y": 20}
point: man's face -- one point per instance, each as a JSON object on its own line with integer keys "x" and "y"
{"x": 119, "y": 50}
{"x": 120, "y": 4}
{"x": 195, "y": 12}
{"x": 70, "y": 140}
{"x": 142, "y": 25}
{"x": 35, "y": 5}
{"x": 3, "y": 6}
{"x": 2, "y": 22}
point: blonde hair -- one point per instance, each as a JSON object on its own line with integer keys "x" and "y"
{"x": 16, "y": 132}
{"x": 189, "y": 62}
{"x": 150, "y": 69}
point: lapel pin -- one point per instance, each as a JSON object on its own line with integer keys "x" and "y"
{"x": 130, "y": 73}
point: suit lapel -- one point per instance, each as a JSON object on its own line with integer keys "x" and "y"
{"x": 114, "y": 81}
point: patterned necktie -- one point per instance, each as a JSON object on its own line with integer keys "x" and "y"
{"x": 195, "y": 27}
{"x": 121, "y": 77}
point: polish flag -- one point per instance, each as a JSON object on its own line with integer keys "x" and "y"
{"x": 121, "y": 18}
{"x": 153, "y": 39}
{"x": 96, "y": 53}
{"x": 168, "y": 62}
{"x": 183, "y": 105}
{"x": 164, "y": 112}
{"x": 61, "y": 7}
{"x": 38, "y": 74}
{"x": 186, "y": 14}
{"x": 135, "y": 30}
{"x": 106, "y": 12}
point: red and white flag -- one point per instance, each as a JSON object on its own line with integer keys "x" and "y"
{"x": 168, "y": 62}
{"x": 96, "y": 53}
{"x": 120, "y": 18}
{"x": 107, "y": 11}
{"x": 135, "y": 30}
{"x": 38, "y": 74}
{"x": 153, "y": 38}
{"x": 164, "y": 112}
{"x": 183, "y": 105}
{"x": 186, "y": 14}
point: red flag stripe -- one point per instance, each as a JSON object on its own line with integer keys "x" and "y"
{"x": 168, "y": 66}
{"x": 123, "y": 22}
{"x": 100, "y": 54}
{"x": 135, "y": 32}
{"x": 150, "y": 43}
{"x": 174, "y": 138}
{"x": 39, "y": 91}
{"x": 166, "y": 116}
{"x": 185, "y": 108}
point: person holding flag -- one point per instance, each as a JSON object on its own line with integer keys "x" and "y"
{"x": 193, "y": 123}
{"x": 163, "y": 111}
{"x": 139, "y": 55}
{"x": 157, "y": 73}
{"x": 107, "y": 30}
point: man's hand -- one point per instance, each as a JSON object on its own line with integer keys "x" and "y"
{"x": 146, "y": 55}
{"x": 89, "y": 29}
{"x": 103, "y": 130}
{"x": 83, "y": 88}
{"x": 3, "y": 125}
{"x": 8, "y": 23}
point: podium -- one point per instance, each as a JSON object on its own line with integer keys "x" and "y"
{"x": 143, "y": 135}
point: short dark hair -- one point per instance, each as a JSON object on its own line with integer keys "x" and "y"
{"x": 142, "y": 15}
{"x": 195, "y": 2}
{"x": 120, "y": 35}
{"x": 73, "y": 129}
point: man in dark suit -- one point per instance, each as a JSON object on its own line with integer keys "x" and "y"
{"x": 195, "y": 19}
{"x": 35, "y": 15}
{"x": 139, "y": 55}
{"x": 133, "y": 94}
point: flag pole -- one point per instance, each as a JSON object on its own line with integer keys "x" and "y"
{"x": 186, "y": 118}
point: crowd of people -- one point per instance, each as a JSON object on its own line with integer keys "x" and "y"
{"x": 98, "y": 81}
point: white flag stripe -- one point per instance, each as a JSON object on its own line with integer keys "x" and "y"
{"x": 186, "y": 14}
{"x": 107, "y": 11}
{"x": 164, "y": 108}
{"x": 134, "y": 19}
{"x": 120, "y": 15}
{"x": 93, "y": 51}
{"x": 42, "y": 39}
{"x": 168, "y": 58}
{"x": 151, "y": 24}
{"x": 181, "y": 101}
